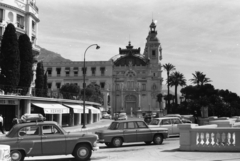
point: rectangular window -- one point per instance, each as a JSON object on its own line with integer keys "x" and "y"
{"x": 33, "y": 27}
{"x": 29, "y": 130}
{"x": 102, "y": 85}
{"x": 67, "y": 71}
{"x": 102, "y": 69}
{"x": 58, "y": 71}
{"x": 49, "y": 85}
{"x": 117, "y": 87}
{"x": 144, "y": 87}
{"x": 84, "y": 71}
{"x": 131, "y": 125}
{"x": 75, "y": 71}
{"x": 58, "y": 85}
{"x": 93, "y": 69}
{"x": 33, "y": 39}
{"x": 153, "y": 53}
{"x": 50, "y": 130}
{"x": 20, "y": 21}
{"x": 1, "y": 15}
{"x": 49, "y": 72}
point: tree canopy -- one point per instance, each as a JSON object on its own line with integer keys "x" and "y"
{"x": 26, "y": 57}
{"x": 70, "y": 91}
{"x": 9, "y": 59}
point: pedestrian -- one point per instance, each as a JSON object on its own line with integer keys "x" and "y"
{"x": 1, "y": 124}
{"x": 15, "y": 121}
{"x": 195, "y": 117}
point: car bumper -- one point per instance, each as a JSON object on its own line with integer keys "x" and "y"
{"x": 95, "y": 148}
{"x": 101, "y": 141}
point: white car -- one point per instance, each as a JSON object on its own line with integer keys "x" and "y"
{"x": 167, "y": 122}
{"x": 106, "y": 116}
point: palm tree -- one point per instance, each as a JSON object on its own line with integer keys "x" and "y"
{"x": 199, "y": 78}
{"x": 168, "y": 67}
{"x": 177, "y": 79}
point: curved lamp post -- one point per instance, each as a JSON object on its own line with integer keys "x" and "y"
{"x": 84, "y": 84}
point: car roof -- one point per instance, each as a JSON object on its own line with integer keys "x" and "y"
{"x": 127, "y": 120}
{"x": 165, "y": 117}
{"x": 35, "y": 123}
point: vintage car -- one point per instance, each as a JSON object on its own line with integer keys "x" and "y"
{"x": 180, "y": 117}
{"x": 167, "y": 122}
{"x": 124, "y": 131}
{"x": 41, "y": 138}
{"x": 105, "y": 115}
{"x": 120, "y": 116}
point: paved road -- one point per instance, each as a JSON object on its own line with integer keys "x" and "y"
{"x": 168, "y": 151}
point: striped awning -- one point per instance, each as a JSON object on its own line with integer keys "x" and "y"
{"x": 76, "y": 108}
{"x": 52, "y": 108}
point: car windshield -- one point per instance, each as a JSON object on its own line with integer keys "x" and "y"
{"x": 113, "y": 126}
{"x": 154, "y": 122}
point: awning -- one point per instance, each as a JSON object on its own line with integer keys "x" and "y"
{"x": 93, "y": 109}
{"x": 76, "y": 108}
{"x": 52, "y": 108}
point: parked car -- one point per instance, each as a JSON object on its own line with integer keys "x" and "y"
{"x": 148, "y": 116}
{"x": 171, "y": 123}
{"x": 180, "y": 117}
{"x": 115, "y": 116}
{"x": 42, "y": 138}
{"x": 105, "y": 115}
{"x": 120, "y": 132}
{"x": 120, "y": 116}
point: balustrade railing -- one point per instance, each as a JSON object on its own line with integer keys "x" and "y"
{"x": 209, "y": 138}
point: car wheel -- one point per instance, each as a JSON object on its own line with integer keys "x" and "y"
{"x": 117, "y": 142}
{"x": 17, "y": 155}
{"x": 82, "y": 152}
{"x": 158, "y": 139}
{"x": 148, "y": 142}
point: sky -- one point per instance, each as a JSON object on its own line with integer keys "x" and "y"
{"x": 195, "y": 35}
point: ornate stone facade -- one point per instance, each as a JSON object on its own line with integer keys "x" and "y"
{"x": 130, "y": 80}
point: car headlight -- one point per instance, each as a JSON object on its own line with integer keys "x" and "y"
{"x": 95, "y": 144}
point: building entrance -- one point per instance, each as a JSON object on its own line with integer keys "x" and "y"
{"x": 130, "y": 104}
{"x": 8, "y": 113}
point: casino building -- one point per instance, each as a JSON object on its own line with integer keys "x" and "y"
{"x": 130, "y": 80}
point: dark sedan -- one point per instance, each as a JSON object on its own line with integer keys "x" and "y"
{"x": 131, "y": 131}
{"x": 47, "y": 138}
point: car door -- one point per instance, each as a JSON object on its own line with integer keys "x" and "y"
{"x": 29, "y": 139}
{"x": 143, "y": 132}
{"x": 130, "y": 132}
{"x": 53, "y": 140}
{"x": 167, "y": 123}
{"x": 175, "y": 123}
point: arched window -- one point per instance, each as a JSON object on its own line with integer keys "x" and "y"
{"x": 10, "y": 16}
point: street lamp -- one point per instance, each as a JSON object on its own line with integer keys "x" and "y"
{"x": 84, "y": 84}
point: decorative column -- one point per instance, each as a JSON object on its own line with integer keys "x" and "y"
{"x": 105, "y": 97}
{"x": 77, "y": 118}
{"x": 27, "y": 107}
{"x": 122, "y": 96}
{"x": 34, "y": 67}
{"x": 59, "y": 119}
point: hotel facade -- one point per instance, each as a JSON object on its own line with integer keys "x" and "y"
{"x": 130, "y": 81}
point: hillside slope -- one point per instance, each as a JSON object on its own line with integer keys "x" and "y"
{"x": 50, "y": 56}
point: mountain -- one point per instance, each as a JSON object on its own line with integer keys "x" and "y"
{"x": 49, "y": 56}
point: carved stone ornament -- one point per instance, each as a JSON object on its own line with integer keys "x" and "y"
{"x": 20, "y": 4}
{"x": 154, "y": 87}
